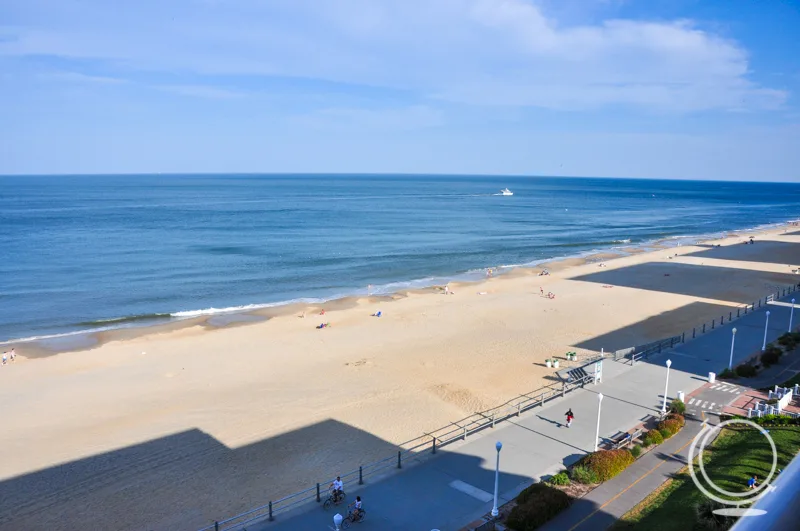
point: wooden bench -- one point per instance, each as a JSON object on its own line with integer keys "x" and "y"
{"x": 625, "y": 439}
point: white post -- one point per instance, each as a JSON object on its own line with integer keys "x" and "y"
{"x": 337, "y": 521}
{"x": 733, "y": 340}
{"x": 791, "y": 315}
{"x": 666, "y": 388}
{"x": 597, "y": 433}
{"x": 766, "y": 326}
{"x": 498, "y": 446}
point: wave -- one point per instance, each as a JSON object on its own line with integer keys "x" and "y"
{"x": 102, "y": 325}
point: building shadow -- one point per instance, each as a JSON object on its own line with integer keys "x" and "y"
{"x": 762, "y": 251}
{"x": 668, "y": 277}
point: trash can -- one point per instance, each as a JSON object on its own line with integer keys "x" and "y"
{"x": 712, "y": 377}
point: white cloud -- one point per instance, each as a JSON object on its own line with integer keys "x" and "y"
{"x": 486, "y": 52}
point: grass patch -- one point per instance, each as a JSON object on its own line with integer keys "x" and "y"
{"x": 736, "y": 455}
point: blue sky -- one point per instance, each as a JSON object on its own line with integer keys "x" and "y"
{"x": 628, "y": 88}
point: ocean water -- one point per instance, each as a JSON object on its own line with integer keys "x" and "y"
{"x": 93, "y": 252}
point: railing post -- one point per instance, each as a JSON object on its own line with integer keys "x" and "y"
{"x": 693, "y": 332}
{"x": 541, "y": 400}
{"x": 759, "y": 303}
{"x": 465, "y": 433}
{"x": 399, "y": 460}
{"x": 683, "y": 337}
{"x": 434, "y": 445}
{"x": 671, "y": 342}
{"x": 563, "y": 390}
{"x": 360, "y": 475}
{"x": 493, "y": 420}
{"x": 737, "y": 312}
{"x": 722, "y": 320}
{"x": 271, "y": 518}
{"x": 745, "y": 309}
{"x": 704, "y": 328}
{"x": 518, "y": 408}
{"x": 318, "y": 497}
{"x": 659, "y": 348}
{"x": 216, "y": 526}
{"x": 730, "y": 316}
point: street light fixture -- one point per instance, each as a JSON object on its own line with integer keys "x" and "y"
{"x": 791, "y": 315}
{"x": 766, "y": 326}
{"x": 666, "y": 388}
{"x": 597, "y": 433}
{"x": 498, "y": 446}
{"x": 733, "y": 340}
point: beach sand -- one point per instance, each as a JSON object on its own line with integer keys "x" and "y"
{"x": 174, "y": 426}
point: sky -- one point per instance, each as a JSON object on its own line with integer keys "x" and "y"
{"x": 683, "y": 89}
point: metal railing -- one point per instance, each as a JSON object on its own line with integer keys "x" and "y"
{"x": 416, "y": 448}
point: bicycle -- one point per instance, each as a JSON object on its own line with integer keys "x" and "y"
{"x": 351, "y": 518}
{"x": 330, "y": 501}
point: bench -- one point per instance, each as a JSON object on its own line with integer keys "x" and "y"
{"x": 625, "y": 439}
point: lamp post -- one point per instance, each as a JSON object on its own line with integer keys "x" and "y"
{"x": 666, "y": 388}
{"x": 733, "y": 340}
{"x": 498, "y": 446}
{"x": 337, "y": 521}
{"x": 766, "y": 326}
{"x": 791, "y": 315}
{"x": 597, "y": 433}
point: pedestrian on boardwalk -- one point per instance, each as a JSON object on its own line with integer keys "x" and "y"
{"x": 570, "y": 416}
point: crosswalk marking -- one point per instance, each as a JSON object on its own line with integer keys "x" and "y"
{"x": 714, "y": 386}
{"x": 691, "y": 401}
{"x": 704, "y": 405}
{"x": 734, "y": 391}
{"x": 712, "y": 405}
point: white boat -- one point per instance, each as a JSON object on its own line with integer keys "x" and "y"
{"x": 506, "y": 191}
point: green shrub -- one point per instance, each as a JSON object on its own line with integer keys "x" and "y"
{"x": 727, "y": 374}
{"x": 679, "y": 418}
{"x": 677, "y": 406}
{"x": 636, "y": 451}
{"x": 608, "y": 463}
{"x": 582, "y": 474}
{"x": 665, "y": 433}
{"x": 745, "y": 370}
{"x": 788, "y": 341}
{"x": 652, "y": 437}
{"x": 559, "y": 479}
{"x": 672, "y": 426}
{"x": 771, "y": 356}
{"x": 536, "y": 505}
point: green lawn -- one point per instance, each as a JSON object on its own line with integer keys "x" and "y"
{"x": 734, "y": 457}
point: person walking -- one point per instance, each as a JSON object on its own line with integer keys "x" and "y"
{"x": 570, "y": 416}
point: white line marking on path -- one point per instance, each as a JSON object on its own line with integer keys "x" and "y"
{"x": 691, "y": 401}
{"x": 705, "y": 404}
{"x": 475, "y": 492}
{"x": 714, "y": 386}
{"x": 734, "y": 391}
{"x": 712, "y": 405}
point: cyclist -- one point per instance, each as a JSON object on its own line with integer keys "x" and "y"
{"x": 355, "y": 514}
{"x": 338, "y": 489}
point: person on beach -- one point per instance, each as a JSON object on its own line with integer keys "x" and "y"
{"x": 541, "y": 291}
{"x": 13, "y": 355}
{"x": 752, "y": 483}
{"x": 570, "y": 416}
{"x": 5, "y": 357}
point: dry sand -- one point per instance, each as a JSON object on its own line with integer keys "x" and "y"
{"x": 172, "y": 427}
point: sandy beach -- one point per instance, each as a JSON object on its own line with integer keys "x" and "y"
{"x": 174, "y": 426}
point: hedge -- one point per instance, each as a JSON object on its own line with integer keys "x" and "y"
{"x": 607, "y": 463}
{"x": 677, "y": 406}
{"x": 537, "y": 505}
{"x": 771, "y": 356}
{"x": 772, "y": 420}
{"x": 652, "y": 437}
{"x": 745, "y": 370}
{"x": 680, "y": 418}
{"x": 581, "y": 474}
{"x": 559, "y": 479}
{"x": 672, "y": 426}
{"x": 636, "y": 450}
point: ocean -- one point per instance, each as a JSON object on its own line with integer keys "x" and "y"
{"x": 83, "y": 253}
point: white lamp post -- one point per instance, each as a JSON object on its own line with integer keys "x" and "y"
{"x": 733, "y": 340}
{"x": 337, "y": 521}
{"x": 498, "y": 446}
{"x": 791, "y": 315}
{"x": 666, "y": 388}
{"x": 597, "y": 433}
{"x": 766, "y": 326}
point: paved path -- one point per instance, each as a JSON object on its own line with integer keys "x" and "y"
{"x": 452, "y": 488}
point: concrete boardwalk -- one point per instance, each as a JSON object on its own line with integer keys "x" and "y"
{"x": 453, "y": 488}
